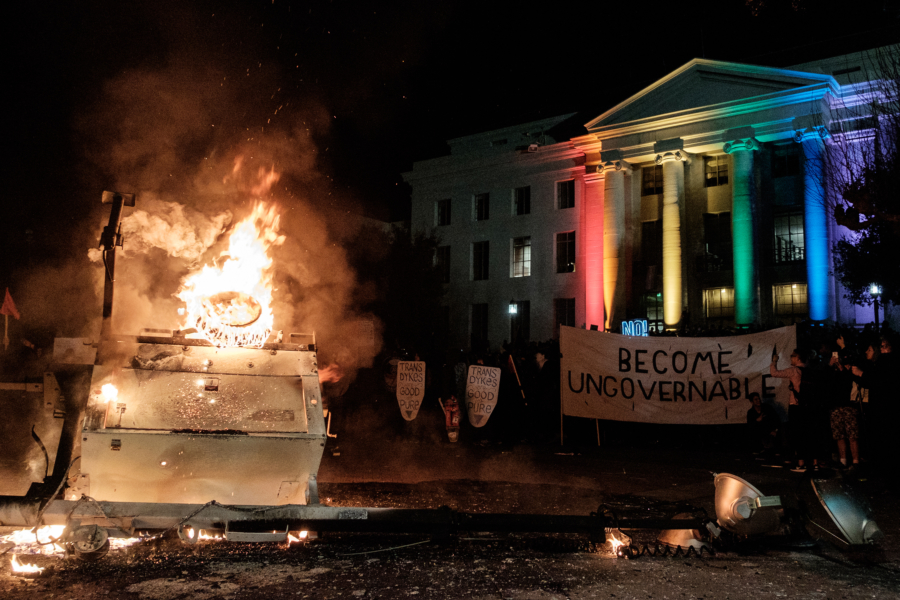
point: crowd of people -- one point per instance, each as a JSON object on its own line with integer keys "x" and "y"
{"x": 843, "y": 404}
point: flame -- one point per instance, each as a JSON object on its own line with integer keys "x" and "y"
{"x": 203, "y": 534}
{"x": 25, "y": 541}
{"x": 24, "y": 568}
{"x": 294, "y": 539}
{"x": 231, "y": 305}
{"x": 331, "y": 373}
{"x": 108, "y": 392}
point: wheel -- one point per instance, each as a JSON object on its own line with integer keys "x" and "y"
{"x": 89, "y": 543}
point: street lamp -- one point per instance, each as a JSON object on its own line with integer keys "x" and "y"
{"x": 513, "y": 307}
{"x": 875, "y": 291}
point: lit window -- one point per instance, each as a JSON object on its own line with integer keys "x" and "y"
{"x": 652, "y": 180}
{"x": 565, "y": 194}
{"x": 719, "y": 304}
{"x": 480, "y": 260}
{"x": 653, "y": 305}
{"x": 788, "y": 243}
{"x": 791, "y": 304}
{"x": 565, "y": 252}
{"x": 521, "y": 259}
{"x": 442, "y": 212}
{"x": 716, "y": 170}
{"x": 522, "y": 200}
{"x": 482, "y": 207}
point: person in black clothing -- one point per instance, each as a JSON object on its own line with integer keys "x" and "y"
{"x": 762, "y": 424}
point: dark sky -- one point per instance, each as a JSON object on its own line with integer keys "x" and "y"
{"x": 100, "y": 90}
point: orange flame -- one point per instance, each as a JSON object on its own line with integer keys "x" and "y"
{"x": 231, "y": 305}
{"x": 24, "y": 568}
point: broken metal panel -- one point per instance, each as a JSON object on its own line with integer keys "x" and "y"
{"x": 167, "y": 400}
{"x": 130, "y": 466}
{"x": 34, "y": 417}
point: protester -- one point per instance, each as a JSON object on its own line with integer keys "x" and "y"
{"x": 762, "y": 424}
{"x": 798, "y": 415}
{"x": 844, "y": 417}
{"x": 877, "y": 375}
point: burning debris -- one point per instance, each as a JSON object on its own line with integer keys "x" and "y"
{"x": 231, "y": 305}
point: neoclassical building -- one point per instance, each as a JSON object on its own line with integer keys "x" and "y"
{"x": 699, "y": 201}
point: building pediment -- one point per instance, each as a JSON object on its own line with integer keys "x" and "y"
{"x": 703, "y": 84}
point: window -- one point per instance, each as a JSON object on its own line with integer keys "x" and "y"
{"x": 717, "y": 242}
{"x": 563, "y": 313}
{"x": 482, "y": 207}
{"x": 442, "y": 262}
{"x": 786, "y": 160}
{"x": 479, "y": 332}
{"x": 565, "y": 252}
{"x": 653, "y": 309}
{"x": 788, "y": 245}
{"x": 719, "y": 304}
{"x": 480, "y": 260}
{"x": 522, "y": 200}
{"x": 791, "y": 305}
{"x": 716, "y": 170}
{"x": 521, "y": 257}
{"x": 651, "y": 242}
{"x": 565, "y": 194}
{"x": 652, "y": 180}
{"x": 442, "y": 212}
{"x": 520, "y": 323}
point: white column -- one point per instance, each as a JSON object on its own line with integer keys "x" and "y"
{"x": 673, "y": 197}
{"x": 614, "y": 242}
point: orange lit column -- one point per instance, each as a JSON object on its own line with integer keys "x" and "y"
{"x": 592, "y": 246}
{"x": 673, "y": 198}
{"x": 614, "y": 172}
{"x": 743, "y": 231}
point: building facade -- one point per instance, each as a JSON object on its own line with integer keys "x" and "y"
{"x": 699, "y": 202}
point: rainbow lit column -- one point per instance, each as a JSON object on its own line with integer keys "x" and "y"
{"x": 743, "y": 231}
{"x": 614, "y": 172}
{"x": 673, "y": 197}
{"x": 815, "y": 224}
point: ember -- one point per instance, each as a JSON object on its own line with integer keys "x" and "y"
{"x": 231, "y": 305}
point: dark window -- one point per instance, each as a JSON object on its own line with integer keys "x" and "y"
{"x": 791, "y": 304}
{"x": 522, "y": 200}
{"x": 788, "y": 246}
{"x": 520, "y": 322}
{"x": 786, "y": 160}
{"x": 717, "y": 241}
{"x": 480, "y": 260}
{"x": 651, "y": 242}
{"x": 563, "y": 313}
{"x": 521, "y": 258}
{"x": 716, "y": 170}
{"x": 482, "y": 207}
{"x": 443, "y": 212}
{"x": 565, "y": 252}
{"x": 442, "y": 262}
{"x": 652, "y": 180}
{"x": 565, "y": 194}
{"x": 479, "y": 325}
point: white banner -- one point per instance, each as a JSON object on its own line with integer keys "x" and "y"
{"x": 482, "y": 387}
{"x": 410, "y": 387}
{"x": 704, "y": 381}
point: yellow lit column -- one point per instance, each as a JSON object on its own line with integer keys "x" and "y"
{"x": 614, "y": 241}
{"x": 673, "y": 197}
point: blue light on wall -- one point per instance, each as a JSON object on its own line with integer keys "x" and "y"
{"x": 635, "y": 327}
{"x": 815, "y": 231}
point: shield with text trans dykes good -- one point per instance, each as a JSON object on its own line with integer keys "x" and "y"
{"x": 482, "y": 387}
{"x": 410, "y": 387}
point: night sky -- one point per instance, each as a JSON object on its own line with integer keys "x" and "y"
{"x": 101, "y": 90}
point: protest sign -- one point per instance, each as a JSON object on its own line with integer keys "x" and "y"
{"x": 482, "y": 387}
{"x": 410, "y": 387}
{"x": 670, "y": 379}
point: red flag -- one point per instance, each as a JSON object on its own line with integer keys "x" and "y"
{"x": 9, "y": 307}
